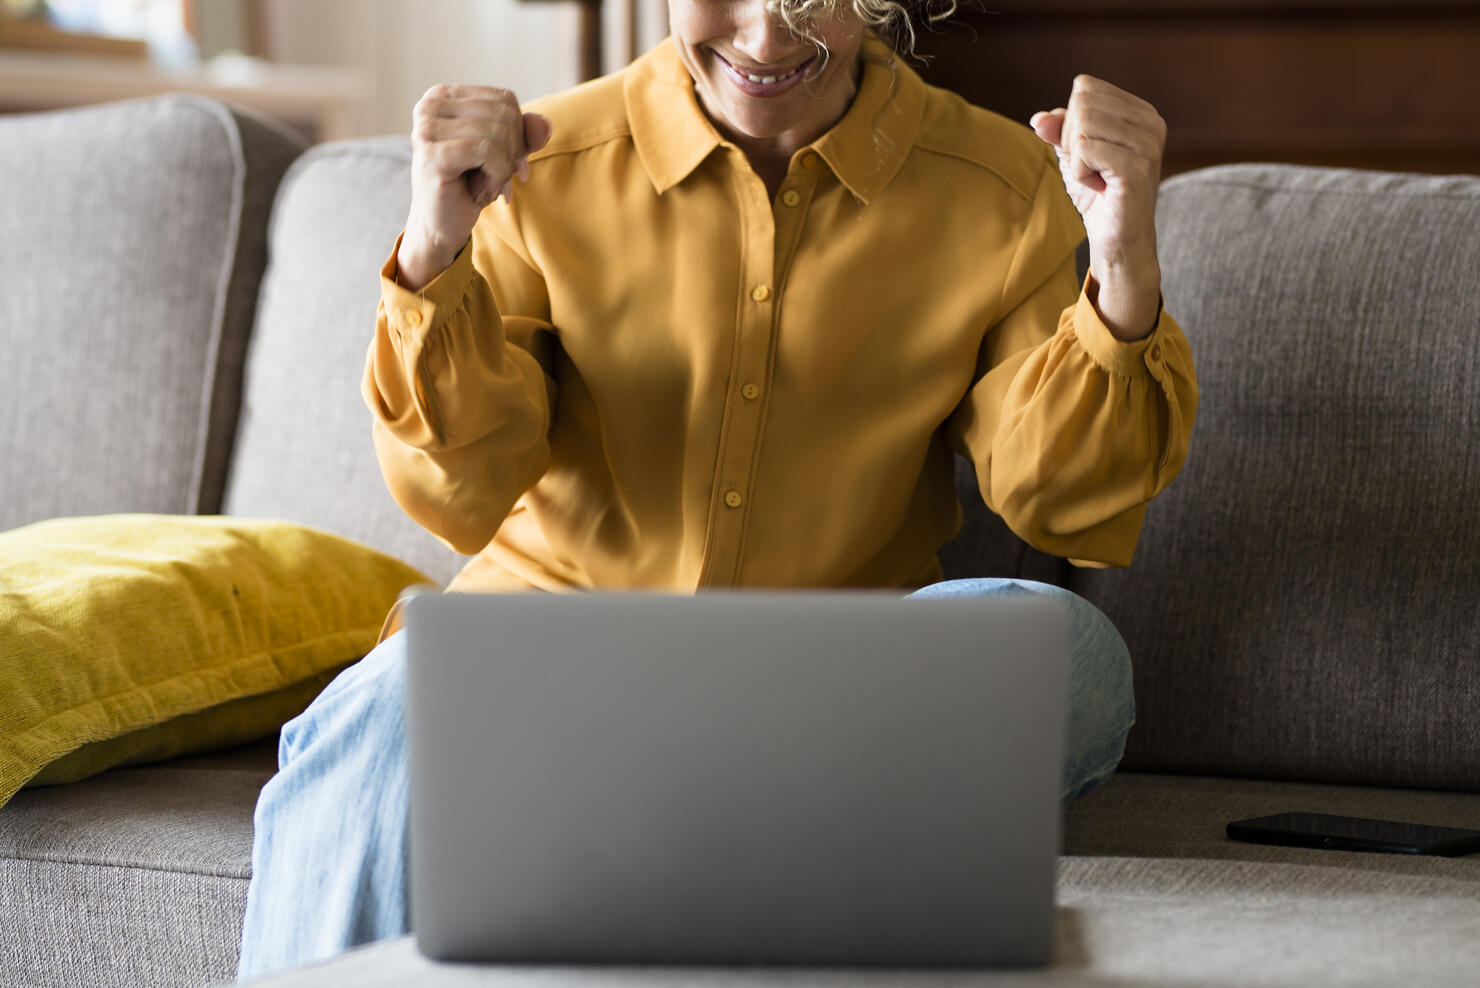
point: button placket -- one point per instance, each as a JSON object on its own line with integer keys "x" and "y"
{"x": 740, "y": 432}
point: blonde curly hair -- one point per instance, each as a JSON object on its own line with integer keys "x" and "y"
{"x": 893, "y": 19}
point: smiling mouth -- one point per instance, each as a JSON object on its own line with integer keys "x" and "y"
{"x": 765, "y": 83}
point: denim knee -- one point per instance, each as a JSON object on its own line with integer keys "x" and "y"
{"x": 1102, "y": 704}
{"x": 372, "y": 690}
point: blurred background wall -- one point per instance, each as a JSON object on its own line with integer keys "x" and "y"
{"x": 406, "y": 46}
{"x": 1387, "y": 84}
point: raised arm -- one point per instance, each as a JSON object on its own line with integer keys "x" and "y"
{"x": 456, "y": 374}
{"x": 1074, "y": 434}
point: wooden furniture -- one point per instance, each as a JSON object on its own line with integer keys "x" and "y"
{"x": 1384, "y": 84}
{"x": 591, "y": 36}
{"x": 31, "y": 33}
{"x": 317, "y": 102}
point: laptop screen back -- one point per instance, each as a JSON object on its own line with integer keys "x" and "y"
{"x": 755, "y": 778}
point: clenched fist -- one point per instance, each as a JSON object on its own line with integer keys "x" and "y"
{"x": 1110, "y": 145}
{"x": 467, "y": 144}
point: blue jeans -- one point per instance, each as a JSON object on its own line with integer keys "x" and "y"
{"x": 329, "y": 858}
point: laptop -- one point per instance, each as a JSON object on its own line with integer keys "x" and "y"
{"x": 803, "y": 778}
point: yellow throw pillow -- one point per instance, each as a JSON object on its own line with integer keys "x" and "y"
{"x": 127, "y": 638}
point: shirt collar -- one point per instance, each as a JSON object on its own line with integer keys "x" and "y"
{"x": 865, "y": 149}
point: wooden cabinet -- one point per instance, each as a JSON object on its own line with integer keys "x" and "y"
{"x": 319, "y": 102}
{"x": 1360, "y": 83}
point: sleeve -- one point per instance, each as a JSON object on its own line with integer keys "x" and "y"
{"x": 1072, "y": 431}
{"x": 460, "y": 389}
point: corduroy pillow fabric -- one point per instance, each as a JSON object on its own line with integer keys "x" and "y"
{"x": 131, "y": 638}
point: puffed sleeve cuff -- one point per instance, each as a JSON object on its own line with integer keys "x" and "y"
{"x": 1114, "y": 355}
{"x": 410, "y": 315}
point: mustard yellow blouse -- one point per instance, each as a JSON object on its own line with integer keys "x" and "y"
{"x": 645, "y": 373}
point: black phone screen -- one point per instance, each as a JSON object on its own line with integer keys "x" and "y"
{"x": 1348, "y": 833}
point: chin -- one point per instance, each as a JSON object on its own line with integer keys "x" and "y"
{"x": 762, "y": 118}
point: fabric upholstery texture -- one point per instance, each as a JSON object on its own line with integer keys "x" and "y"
{"x": 163, "y": 852}
{"x": 1138, "y": 815}
{"x": 1120, "y": 922}
{"x": 1150, "y": 893}
{"x": 1302, "y": 603}
{"x": 337, "y": 216}
{"x": 138, "y": 232}
{"x": 116, "y": 625}
{"x": 134, "y": 877}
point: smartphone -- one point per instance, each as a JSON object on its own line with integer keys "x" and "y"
{"x": 1349, "y": 833}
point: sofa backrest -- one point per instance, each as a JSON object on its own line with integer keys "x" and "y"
{"x": 132, "y": 238}
{"x": 1305, "y": 599}
{"x": 303, "y": 449}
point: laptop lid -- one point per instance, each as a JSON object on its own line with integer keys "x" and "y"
{"x": 756, "y": 778}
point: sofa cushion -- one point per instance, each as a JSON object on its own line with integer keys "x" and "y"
{"x": 1138, "y": 815}
{"x": 160, "y": 856}
{"x": 137, "y": 637}
{"x": 1302, "y": 603}
{"x": 303, "y": 444}
{"x": 138, "y": 230}
{"x": 1120, "y": 922}
{"x": 1150, "y": 893}
{"x": 134, "y": 877}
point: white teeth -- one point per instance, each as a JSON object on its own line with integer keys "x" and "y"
{"x": 767, "y": 79}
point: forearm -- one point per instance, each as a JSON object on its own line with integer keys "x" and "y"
{"x": 1126, "y": 292}
{"x": 420, "y": 258}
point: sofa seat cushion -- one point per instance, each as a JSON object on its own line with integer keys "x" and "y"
{"x": 137, "y": 876}
{"x": 158, "y": 858}
{"x": 1182, "y": 817}
{"x": 1149, "y": 893}
{"x": 1121, "y": 921}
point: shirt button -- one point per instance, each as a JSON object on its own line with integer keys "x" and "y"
{"x": 733, "y": 499}
{"x": 751, "y": 392}
{"x": 809, "y": 160}
{"x": 1156, "y": 351}
{"x": 791, "y": 197}
{"x": 760, "y": 293}
{"x": 413, "y": 318}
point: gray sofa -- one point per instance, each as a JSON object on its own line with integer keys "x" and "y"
{"x": 185, "y": 304}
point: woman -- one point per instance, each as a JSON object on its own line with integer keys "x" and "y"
{"x": 747, "y": 298}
